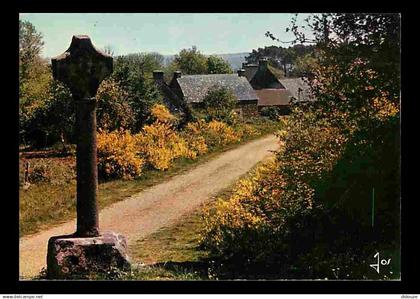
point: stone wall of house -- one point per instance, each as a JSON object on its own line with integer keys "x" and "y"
{"x": 248, "y": 108}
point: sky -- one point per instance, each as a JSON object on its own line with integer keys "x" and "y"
{"x": 166, "y": 33}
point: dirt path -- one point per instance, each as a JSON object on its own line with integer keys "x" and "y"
{"x": 158, "y": 206}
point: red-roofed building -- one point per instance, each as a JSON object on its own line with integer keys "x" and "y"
{"x": 273, "y": 97}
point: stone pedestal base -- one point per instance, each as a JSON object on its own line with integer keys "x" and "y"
{"x": 69, "y": 256}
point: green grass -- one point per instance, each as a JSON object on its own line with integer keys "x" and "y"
{"x": 53, "y": 202}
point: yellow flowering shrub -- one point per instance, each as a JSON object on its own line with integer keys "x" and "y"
{"x": 253, "y": 222}
{"x": 215, "y": 133}
{"x": 247, "y": 130}
{"x": 122, "y": 155}
{"x": 117, "y": 155}
{"x": 242, "y": 224}
{"x": 160, "y": 145}
{"x": 222, "y": 133}
{"x": 160, "y": 113}
{"x": 196, "y": 145}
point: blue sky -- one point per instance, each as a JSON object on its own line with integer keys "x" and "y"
{"x": 166, "y": 33}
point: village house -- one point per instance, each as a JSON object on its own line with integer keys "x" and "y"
{"x": 274, "y": 91}
{"x": 255, "y": 87}
{"x": 172, "y": 101}
{"x": 193, "y": 88}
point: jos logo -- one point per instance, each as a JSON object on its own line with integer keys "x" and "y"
{"x": 383, "y": 262}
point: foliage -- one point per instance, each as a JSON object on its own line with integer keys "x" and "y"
{"x": 160, "y": 145}
{"x": 47, "y": 112}
{"x": 279, "y": 57}
{"x": 118, "y": 155}
{"x": 113, "y": 110}
{"x": 235, "y": 227}
{"x": 247, "y": 130}
{"x": 219, "y": 103}
{"x": 160, "y": 113}
{"x": 30, "y": 46}
{"x": 313, "y": 203}
{"x": 304, "y": 66}
{"x": 217, "y": 65}
{"x": 193, "y": 62}
{"x": 271, "y": 112}
{"x": 279, "y": 190}
{"x": 134, "y": 75}
{"x": 215, "y": 133}
{"x": 190, "y": 62}
{"x": 140, "y": 64}
{"x": 123, "y": 155}
{"x": 34, "y": 75}
{"x": 54, "y": 120}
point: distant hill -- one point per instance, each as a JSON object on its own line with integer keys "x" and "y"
{"x": 234, "y": 59}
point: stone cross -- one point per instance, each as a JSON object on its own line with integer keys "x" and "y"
{"x": 82, "y": 68}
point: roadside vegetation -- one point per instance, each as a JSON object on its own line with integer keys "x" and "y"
{"x": 127, "y": 163}
{"x": 331, "y": 199}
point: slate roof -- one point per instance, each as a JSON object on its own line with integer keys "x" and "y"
{"x": 273, "y": 97}
{"x": 264, "y": 78}
{"x": 195, "y": 87}
{"x": 250, "y": 70}
{"x": 299, "y": 89}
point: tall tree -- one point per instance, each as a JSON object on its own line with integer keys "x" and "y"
{"x": 190, "y": 62}
{"x": 217, "y": 65}
{"x": 30, "y": 46}
{"x": 34, "y": 74}
{"x": 133, "y": 73}
{"x": 280, "y": 57}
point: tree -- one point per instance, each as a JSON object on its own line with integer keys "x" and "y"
{"x": 274, "y": 55}
{"x": 217, "y": 65}
{"x": 54, "y": 120}
{"x": 141, "y": 65}
{"x": 219, "y": 103}
{"x": 114, "y": 110}
{"x": 34, "y": 75}
{"x": 133, "y": 73}
{"x": 280, "y": 57}
{"x": 304, "y": 66}
{"x": 356, "y": 83}
{"x": 358, "y": 58}
{"x": 190, "y": 62}
{"x": 30, "y": 46}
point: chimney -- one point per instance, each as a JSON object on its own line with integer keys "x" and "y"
{"x": 262, "y": 63}
{"x": 158, "y": 75}
{"x": 241, "y": 73}
{"x": 177, "y": 74}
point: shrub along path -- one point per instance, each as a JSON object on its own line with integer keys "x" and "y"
{"x": 158, "y": 206}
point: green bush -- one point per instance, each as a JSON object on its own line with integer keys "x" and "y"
{"x": 218, "y": 105}
{"x": 272, "y": 113}
{"x": 314, "y": 202}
